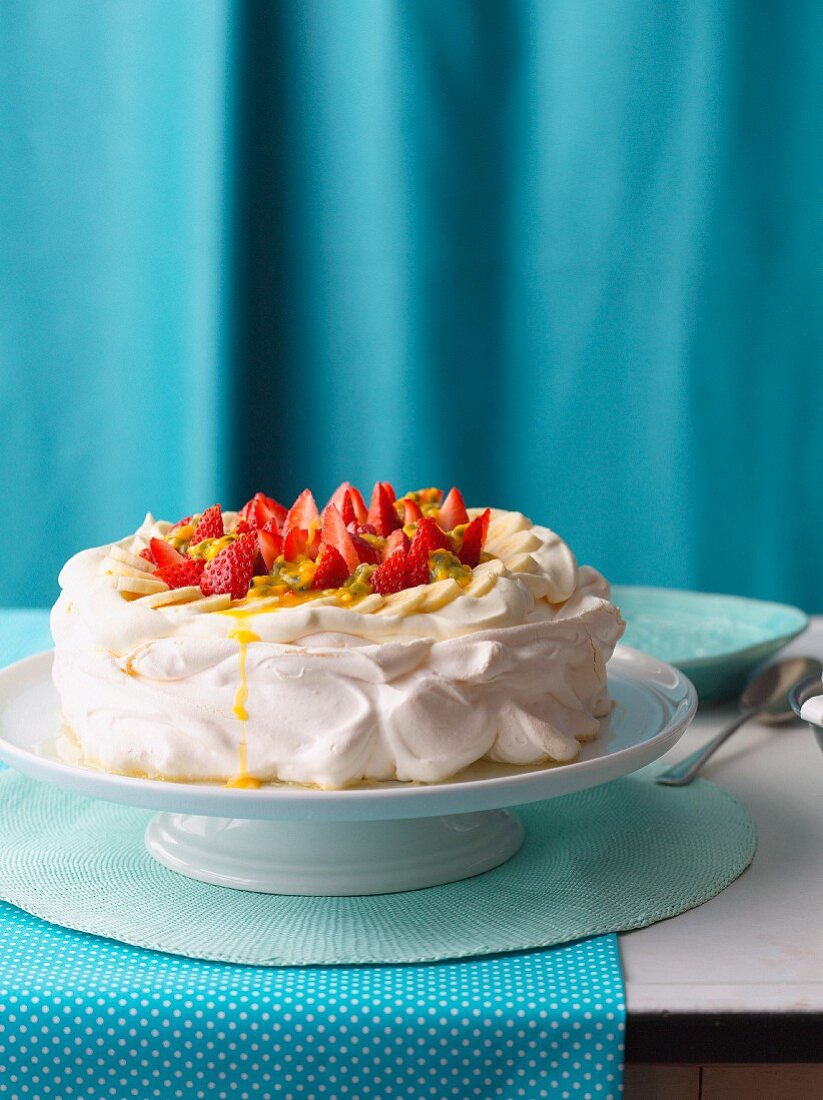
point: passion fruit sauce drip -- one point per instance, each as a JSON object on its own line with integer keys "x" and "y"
{"x": 243, "y": 779}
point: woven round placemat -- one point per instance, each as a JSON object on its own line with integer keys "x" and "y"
{"x": 615, "y": 857}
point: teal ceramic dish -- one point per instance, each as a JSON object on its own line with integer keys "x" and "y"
{"x": 716, "y": 640}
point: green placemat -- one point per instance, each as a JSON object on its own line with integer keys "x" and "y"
{"x": 619, "y": 856}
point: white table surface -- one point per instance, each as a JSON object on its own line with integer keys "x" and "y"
{"x": 758, "y": 946}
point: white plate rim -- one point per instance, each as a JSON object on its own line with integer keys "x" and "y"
{"x": 668, "y": 685}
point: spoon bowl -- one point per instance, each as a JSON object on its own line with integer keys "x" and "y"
{"x": 769, "y": 693}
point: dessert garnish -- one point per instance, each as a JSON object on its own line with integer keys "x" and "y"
{"x": 288, "y": 556}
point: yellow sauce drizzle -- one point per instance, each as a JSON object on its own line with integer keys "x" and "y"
{"x": 243, "y": 779}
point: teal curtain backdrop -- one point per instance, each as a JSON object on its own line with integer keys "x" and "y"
{"x": 564, "y": 253}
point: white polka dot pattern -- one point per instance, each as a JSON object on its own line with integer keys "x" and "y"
{"x": 86, "y": 1019}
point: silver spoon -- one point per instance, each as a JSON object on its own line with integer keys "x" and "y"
{"x": 766, "y": 696}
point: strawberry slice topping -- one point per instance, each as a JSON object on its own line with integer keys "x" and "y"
{"x": 334, "y": 534}
{"x": 391, "y": 576}
{"x": 300, "y": 543}
{"x": 302, "y": 513}
{"x": 357, "y": 503}
{"x": 427, "y": 537}
{"x": 210, "y": 525}
{"x": 232, "y": 570}
{"x": 365, "y": 551}
{"x": 347, "y": 511}
{"x": 417, "y": 564}
{"x": 332, "y": 570}
{"x": 411, "y": 512}
{"x": 188, "y": 572}
{"x": 382, "y": 515}
{"x": 432, "y": 535}
{"x": 361, "y": 512}
{"x": 398, "y": 541}
{"x": 180, "y": 523}
{"x": 163, "y": 554}
{"x": 261, "y": 510}
{"x": 339, "y": 540}
{"x": 473, "y": 539}
{"x": 271, "y": 547}
{"x": 452, "y": 511}
{"x": 337, "y": 496}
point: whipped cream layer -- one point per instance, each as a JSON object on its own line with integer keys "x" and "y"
{"x": 413, "y": 687}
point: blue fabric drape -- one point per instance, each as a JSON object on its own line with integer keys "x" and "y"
{"x": 565, "y": 253}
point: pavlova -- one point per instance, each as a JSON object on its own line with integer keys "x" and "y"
{"x": 403, "y": 640}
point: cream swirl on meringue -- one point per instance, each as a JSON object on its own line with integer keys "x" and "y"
{"x": 413, "y": 686}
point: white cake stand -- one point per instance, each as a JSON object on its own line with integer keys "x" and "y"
{"x": 376, "y": 839}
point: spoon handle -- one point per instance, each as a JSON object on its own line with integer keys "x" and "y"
{"x": 684, "y": 771}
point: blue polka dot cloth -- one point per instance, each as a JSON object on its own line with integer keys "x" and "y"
{"x": 88, "y": 1018}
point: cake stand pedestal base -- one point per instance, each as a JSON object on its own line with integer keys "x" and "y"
{"x": 334, "y": 858}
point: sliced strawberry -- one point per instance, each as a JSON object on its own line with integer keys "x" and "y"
{"x": 397, "y": 541}
{"x": 337, "y": 496}
{"x": 391, "y": 576}
{"x": 271, "y": 547}
{"x": 210, "y": 525}
{"x": 389, "y": 488}
{"x": 302, "y": 513}
{"x": 365, "y": 551}
{"x": 358, "y": 504}
{"x": 334, "y": 534}
{"x": 275, "y": 509}
{"x": 232, "y": 570}
{"x": 452, "y": 511}
{"x": 347, "y": 511}
{"x": 432, "y": 535}
{"x": 332, "y": 570}
{"x": 363, "y": 529}
{"x": 251, "y": 515}
{"x": 361, "y": 512}
{"x": 147, "y": 555}
{"x": 417, "y": 563}
{"x": 241, "y": 528}
{"x": 473, "y": 539}
{"x": 260, "y": 510}
{"x": 189, "y": 571}
{"x": 299, "y": 543}
{"x": 163, "y": 554}
{"x": 382, "y": 515}
{"x": 180, "y": 523}
{"x": 411, "y": 511}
